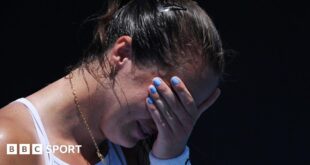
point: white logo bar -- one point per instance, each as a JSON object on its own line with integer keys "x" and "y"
{"x": 37, "y": 149}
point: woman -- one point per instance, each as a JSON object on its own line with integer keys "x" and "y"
{"x": 152, "y": 70}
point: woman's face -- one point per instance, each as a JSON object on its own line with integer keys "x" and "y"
{"x": 128, "y": 120}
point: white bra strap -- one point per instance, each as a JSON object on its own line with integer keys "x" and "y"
{"x": 38, "y": 125}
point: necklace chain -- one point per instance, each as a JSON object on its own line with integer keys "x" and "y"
{"x": 77, "y": 105}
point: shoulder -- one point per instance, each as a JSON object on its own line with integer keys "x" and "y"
{"x": 9, "y": 125}
{"x": 16, "y": 124}
{"x": 13, "y": 130}
{"x": 9, "y": 132}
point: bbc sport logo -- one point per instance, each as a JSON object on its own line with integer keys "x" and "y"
{"x": 37, "y": 149}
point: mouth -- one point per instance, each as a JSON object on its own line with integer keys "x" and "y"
{"x": 142, "y": 131}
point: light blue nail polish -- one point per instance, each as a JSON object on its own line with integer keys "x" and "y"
{"x": 149, "y": 100}
{"x": 157, "y": 81}
{"x": 153, "y": 90}
{"x": 175, "y": 81}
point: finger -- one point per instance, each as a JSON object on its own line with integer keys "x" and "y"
{"x": 185, "y": 97}
{"x": 166, "y": 104}
{"x": 157, "y": 117}
{"x": 207, "y": 104}
{"x": 158, "y": 101}
{"x": 176, "y": 106}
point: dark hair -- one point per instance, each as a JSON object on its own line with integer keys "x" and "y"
{"x": 165, "y": 33}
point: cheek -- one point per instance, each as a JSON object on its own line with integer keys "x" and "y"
{"x": 139, "y": 95}
{"x": 139, "y": 111}
{"x": 137, "y": 106}
{"x": 119, "y": 123}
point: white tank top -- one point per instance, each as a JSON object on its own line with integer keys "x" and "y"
{"x": 114, "y": 156}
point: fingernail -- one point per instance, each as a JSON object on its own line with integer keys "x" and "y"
{"x": 175, "y": 80}
{"x": 149, "y": 100}
{"x": 157, "y": 81}
{"x": 153, "y": 90}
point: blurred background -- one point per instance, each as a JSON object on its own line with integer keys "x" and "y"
{"x": 253, "y": 122}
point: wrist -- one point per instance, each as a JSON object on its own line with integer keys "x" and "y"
{"x": 180, "y": 159}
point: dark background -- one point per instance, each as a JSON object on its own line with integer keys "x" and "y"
{"x": 254, "y": 121}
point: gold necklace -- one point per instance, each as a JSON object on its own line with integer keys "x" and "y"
{"x": 77, "y": 105}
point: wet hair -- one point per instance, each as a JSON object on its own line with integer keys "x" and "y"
{"x": 165, "y": 33}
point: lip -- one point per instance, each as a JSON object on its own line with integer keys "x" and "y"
{"x": 140, "y": 132}
{"x": 147, "y": 130}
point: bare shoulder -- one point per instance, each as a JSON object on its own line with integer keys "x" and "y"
{"x": 9, "y": 122}
{"x": 16, "y": 124}
{"x": 15, "y": 129}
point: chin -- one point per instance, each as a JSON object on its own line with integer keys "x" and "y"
{"x": 129, "y": 143}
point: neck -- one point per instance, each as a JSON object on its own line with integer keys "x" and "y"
{"x": 59, "y": 113}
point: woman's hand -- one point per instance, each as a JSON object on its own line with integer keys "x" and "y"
{"x": 175, "y": 114}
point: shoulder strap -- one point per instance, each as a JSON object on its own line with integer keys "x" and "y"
{"x": 39, "y": 127}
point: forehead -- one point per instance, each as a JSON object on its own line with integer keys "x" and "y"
{"x": 200, "y": 84}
